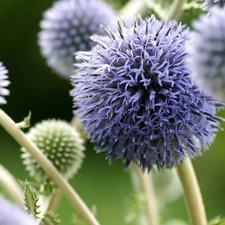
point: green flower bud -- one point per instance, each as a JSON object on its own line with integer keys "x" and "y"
{"x": 60, "y": 143}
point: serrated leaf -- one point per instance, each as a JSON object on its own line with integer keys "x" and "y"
{"x": 34, "y": 186}
{"x": 50, "y": 219}
{"x": 31, "y": 200}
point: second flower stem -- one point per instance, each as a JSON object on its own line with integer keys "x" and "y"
{"x": 192, "y": 193}
{"x": 9, "y": 183}
{"x": 147, "y": 187}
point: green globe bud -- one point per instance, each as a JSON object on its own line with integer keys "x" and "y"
{"x": 60, "y": 143}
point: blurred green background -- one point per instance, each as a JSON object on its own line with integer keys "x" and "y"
{"x": 35, "y": 87}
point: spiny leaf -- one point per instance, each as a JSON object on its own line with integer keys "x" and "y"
{"x": 31, "y": 200}
{"x": 25, "y": 123}
{"x": 50, "y": 219}
{"x": 34, "y": 186}
{"x": 45, "y": 188}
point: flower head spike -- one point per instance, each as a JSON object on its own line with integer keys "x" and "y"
{"x": 67, "y": 28}
{"x": 3, "y": 83}
{"x": 136, "y": 99}
{"x": 208, "y": 5}
{"x": 14, "y": 215}
{"x": 207, "y": 52}
{"x": 60, "y": 143}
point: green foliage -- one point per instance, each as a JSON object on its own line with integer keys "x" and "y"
{"x": 191, "y": 11}
{"x": 31, "y": 200}
{"x": 156, "y": 9}
{"x": 217, "y": 221}
{"x": 50, "y": 219}
{"x": 47, "y": 187}
{"x": 135, "y": 205}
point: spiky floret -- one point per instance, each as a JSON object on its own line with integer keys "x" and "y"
{"x": 3, "y": 83}
{"x": 136, "y": 99}
{"x": 66, "y": 28}
{"x": 208, "y": 5}
{"x": 206, "y": 49}
{"x": 12, "y": 214}
{"x": 60, "y": 143}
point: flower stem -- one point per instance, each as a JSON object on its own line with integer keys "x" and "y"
{"x": 54, "y": 200}
{"x": 192, "y": 193}
{"x": 175, "y": 10}
{"x": 76, "y": 124}
{"x": 147, "y": 187}
{"x": 9, "y": 183}
{"x": 52, "y": 172}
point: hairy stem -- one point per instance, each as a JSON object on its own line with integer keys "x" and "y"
{"x": 146, "y": 186}
{"x": 175, "y": 10}
{"x": 192, "y": 193}
{"x": 52, "y": 172}
{"x": 9, "y": 183}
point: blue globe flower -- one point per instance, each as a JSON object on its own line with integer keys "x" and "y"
{"x": 136, "y": 99}
{"x": 208, "y": 5}
{"x": 206, "y": 49}
{"x": 14, "y": 215}
{"x": 66, "y": 28}
{"x": 3, "y": 83}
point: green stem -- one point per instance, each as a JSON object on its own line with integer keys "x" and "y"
{"x": 52, "y": 172}
{"x": 175, "y": 10}
{"x": 192, "y": 193}
{"x": 76, "y": 124}
{"x": 9, "y": 183}
{"x": 54, "y": 200}
{"x": 147, "y": 187}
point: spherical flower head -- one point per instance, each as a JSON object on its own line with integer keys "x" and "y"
{"x": 3, "y": 83}
{"x": 67, "y": 28}
{"x": 136, "y": 99}
{"x": 208, "y": 5}
{"x": 14, "y": 215}
{"x": 60, "y": 143}
{"x": 207, "y": 52}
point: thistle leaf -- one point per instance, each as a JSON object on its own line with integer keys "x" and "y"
{"x": 31, "y": 200}
{"x": 50, "y": 219}
{"x": 25, "y": 123}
